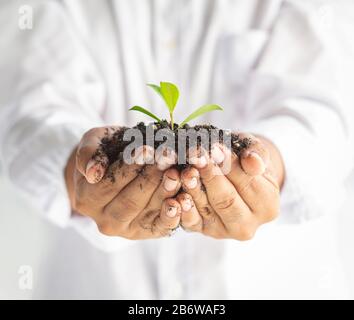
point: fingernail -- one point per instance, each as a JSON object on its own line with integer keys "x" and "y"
{"x": 171, "y": 212}
{"x": 202, "y": 162}
{"x": 191, "y": 183}
{"x": 149, "y": 155}
{"x": 90, "y": 164}
{"x": 217, "y": 154}
{"x": 258, "y": 157}
{"x": 186, "y": 204}
{"x": 170, "y": 184}
{"x": 199, "y": 162}
{"x": 94, "y": 171}
{"x": 162, "y": 166}
{"x": 144, "y": 155}
{"x": 139, "y": 155}
{"x": 166, "y": 159}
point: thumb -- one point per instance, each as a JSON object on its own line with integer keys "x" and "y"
{"x": 90, "y": 162}
{"x": 255, "y": 159}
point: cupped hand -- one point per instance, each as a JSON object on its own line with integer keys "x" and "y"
{"x": 227, "y": 196}
{"x": 136, "y": 202}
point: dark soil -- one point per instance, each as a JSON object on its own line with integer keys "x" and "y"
{"x": 113, "y": 145}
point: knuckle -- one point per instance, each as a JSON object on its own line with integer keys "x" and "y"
{"x": 205, "y": 210}
{"x": 121, "y": 216}
{"x": 226, "y": 203}
{"x": 153, "y": 180}
{"x": 198, "y": 196}
{"x": 234, "y": 217}
{"x": 128, "y": 204}
{"x": 210, "y": 222}
{"x": 250, "y": 183}
{"x": 118, "y": 213}
{"x": 161, "y": 195}
{"x": 209, "y": 174}
{"x": 149, "y": 216}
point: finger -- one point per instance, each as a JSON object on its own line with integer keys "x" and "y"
{"x": 161, "y": 224}
{"x": 165, "y": 158}
{"x": 237, "y": 218}
{"x": 144, "y": 155}
{"x": 258, "y": 191}
{"x": 232, "y": 169}
{"x": 99, "y": 194}
{"x": 118, "y": 175}
{"x": 255, "y": 158}
{"x": 217, "y": 153}
{"x": 221, "y": 193}
{"x": 192, "y": 185}
{"x": 191, "y": 220}
{"x": 168, "y": 188}
{"x": 168, "y": 219}
{"x": 89, "y": 163}
{"x": 135, "y": 196}
{"x": 197, "y": 157}
{"x": 252, "y": 163}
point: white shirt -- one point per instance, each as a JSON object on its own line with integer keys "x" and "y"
{"x": 282, "y": 69}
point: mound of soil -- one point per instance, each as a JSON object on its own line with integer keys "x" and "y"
{"x": 112, "y": 146}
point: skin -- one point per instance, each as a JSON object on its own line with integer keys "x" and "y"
{"x": 141, "y": 206}
{"x": 146, "y": 199}
{"x": 237, "y": 201}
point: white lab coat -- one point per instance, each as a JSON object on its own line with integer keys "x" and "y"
{"x": 279, "y": 68}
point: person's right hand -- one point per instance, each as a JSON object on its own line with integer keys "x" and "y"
{"x": 136, "y": 204}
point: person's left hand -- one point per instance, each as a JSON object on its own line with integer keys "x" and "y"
{"x": 227, "y": 196}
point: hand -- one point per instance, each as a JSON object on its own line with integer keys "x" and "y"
{"x": 241, "y": 193}
{"x": 136, "y": 204}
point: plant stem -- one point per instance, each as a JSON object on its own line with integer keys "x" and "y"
{"x": 172, "y": 122}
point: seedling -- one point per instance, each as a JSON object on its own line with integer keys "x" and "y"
{"x": 170, "y": 94}
{"x": 112, "y": 146}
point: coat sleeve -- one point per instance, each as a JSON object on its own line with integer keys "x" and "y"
{"x": 51, "y": 93}
{"x": 299, "y": 97}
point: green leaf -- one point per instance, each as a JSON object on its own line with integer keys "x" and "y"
{"x": 170, "y": 94}
{"x": 147, "y": 112}
{"x": 156, "y": 88}
{"x": 200, "y": 111}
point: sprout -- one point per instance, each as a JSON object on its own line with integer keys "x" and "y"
{"x": 170, "y": 94}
